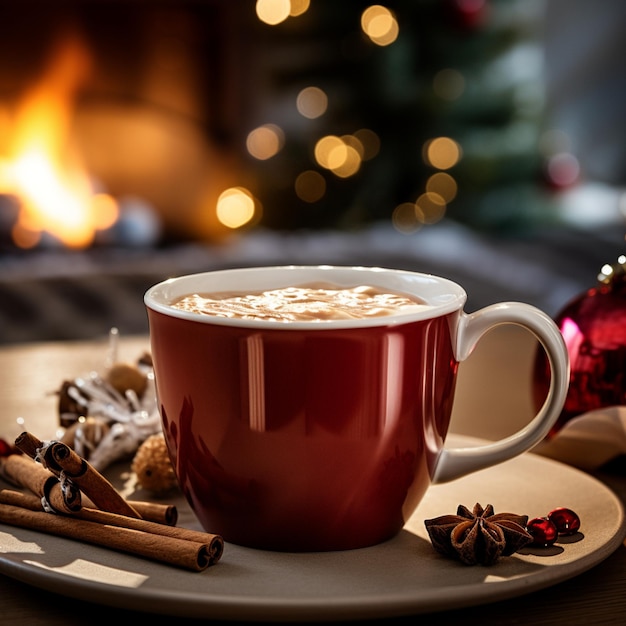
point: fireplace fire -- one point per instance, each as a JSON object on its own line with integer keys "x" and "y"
{"x": 120, "y": 121}
{"x": 42, "y": 166}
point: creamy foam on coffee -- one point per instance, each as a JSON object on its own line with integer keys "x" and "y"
{"x": 314, "y": 303}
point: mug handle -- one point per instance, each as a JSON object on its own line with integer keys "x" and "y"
{"x": 456, "y": 462}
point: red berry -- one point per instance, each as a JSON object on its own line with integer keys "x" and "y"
{"x": 543, "y": 531}
{"x": 5, "y": 448}
{"x": 566, "y": 521}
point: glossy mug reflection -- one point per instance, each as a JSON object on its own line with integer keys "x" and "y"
{"x": 321, "y": 435}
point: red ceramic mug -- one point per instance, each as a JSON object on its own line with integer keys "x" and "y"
{"x": 318, "y": 436}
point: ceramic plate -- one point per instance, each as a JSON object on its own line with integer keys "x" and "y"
{"x": 404, "y": 576}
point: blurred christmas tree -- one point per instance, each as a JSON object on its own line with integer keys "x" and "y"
{"x": 438, "y": 102}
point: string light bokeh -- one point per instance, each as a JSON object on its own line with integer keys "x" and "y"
{"x": 476, "y": 144}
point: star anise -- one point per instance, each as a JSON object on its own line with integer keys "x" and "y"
{"x": 479, "y": 536}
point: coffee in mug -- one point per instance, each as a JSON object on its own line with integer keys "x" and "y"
{"x": 321, "y": 427}
{"x": 315, "y": 303}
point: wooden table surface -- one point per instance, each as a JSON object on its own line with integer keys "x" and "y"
{"x": 31, "y": 373}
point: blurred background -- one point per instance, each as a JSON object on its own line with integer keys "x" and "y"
{"x": 482, "y": 140}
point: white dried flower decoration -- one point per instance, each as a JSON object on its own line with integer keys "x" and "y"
{"x": 119, "y": 420}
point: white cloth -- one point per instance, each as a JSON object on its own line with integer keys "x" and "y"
{"x": 589, "y": 440}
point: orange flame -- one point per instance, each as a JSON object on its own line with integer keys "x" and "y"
{"x": 43, "y": 168}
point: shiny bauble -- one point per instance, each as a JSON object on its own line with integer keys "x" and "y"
{"x": 593, "y": 326}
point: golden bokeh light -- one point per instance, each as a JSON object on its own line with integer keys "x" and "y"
{"x": 298, "y": 7}
{"x": 325, "y": 147}
{"x": 105, "y": 210}
{"x": 236, "y": 207}
{"x": 442, "y": 153}
{"x": 449, "y": 84}
{"x": 370, "y": 142}
{"x": 431, "y": 206}
{"x": 442, "y": 184}
{"x": 310, "y": 186}
{"x": 334, "y": 154}
{"x": 354, "y": 142}
{"x": 405, "y": 218}
{"x": 312, "y": 102}
{"x": 265, "y": 141}
{"x": 273, "y": 12}
{"x": 380, "y": 25}
{"x": 350, "y": 165}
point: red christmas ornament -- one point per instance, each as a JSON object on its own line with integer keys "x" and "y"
{"x": 566, "y": 521}
{"x": 543, "y": 531}
{"x": 468, "y": 15}
{"x": 593, "y": 326}
{"x": 562, "y": 170}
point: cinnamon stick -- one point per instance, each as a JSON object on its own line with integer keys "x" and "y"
{"x": 191, "y": 555}
{"x": 28, "y": 444}
{"x": 153, "y": 511}
{"x": 150, "y": 511}
{"x": 59, "y": 458}
{"x": 156, "y": 512}
{"x": 27, "y": 501}
{"x": 23, "y": 471}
